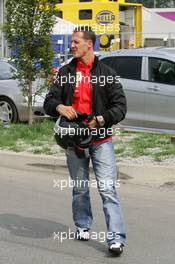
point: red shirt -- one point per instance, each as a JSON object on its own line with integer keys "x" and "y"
{"x": 83, "y": 93}
{"x": 82, "y": 99}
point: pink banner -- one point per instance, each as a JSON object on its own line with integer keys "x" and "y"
{"x": 168, "y": 15}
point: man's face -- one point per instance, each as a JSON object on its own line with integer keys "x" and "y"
{"x": 80, "y": 46}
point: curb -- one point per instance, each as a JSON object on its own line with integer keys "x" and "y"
{"x": 63, "y": 158}
{"x": 148, "y": 174}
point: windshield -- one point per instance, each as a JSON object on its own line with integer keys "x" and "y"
{"x": 5, "y": 71}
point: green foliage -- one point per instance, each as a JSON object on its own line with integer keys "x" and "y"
{"x": 27, "y": 29}
{"x": 39, "y": 139}
{"x": 134, "y": 145}
{"x": 20, "y": 137}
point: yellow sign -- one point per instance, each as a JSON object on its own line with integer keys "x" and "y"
{"x": 105, "y": 17}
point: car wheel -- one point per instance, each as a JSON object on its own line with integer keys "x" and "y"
{"x": 8, "y": 111}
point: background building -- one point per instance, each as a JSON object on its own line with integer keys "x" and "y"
{"x": 116, "y": 23}
{"x": 158, "y": 26}
{"x": 126, "y": 25}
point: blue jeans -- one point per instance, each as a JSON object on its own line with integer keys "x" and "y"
{"x": 104, "y": 166}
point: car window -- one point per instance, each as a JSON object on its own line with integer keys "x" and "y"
{"x": 5, "y": 71}
{"x": 161, "y": 71}
{"x": 126, "y": 67}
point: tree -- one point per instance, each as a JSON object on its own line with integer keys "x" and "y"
{"x": 27, "y": 29}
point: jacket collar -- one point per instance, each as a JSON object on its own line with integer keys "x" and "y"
{"x": 72, "y": 65}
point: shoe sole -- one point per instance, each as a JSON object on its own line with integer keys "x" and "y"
{"x": 79, "y": 237}
{"x": 116, "y": 251}
{"x": 82, "y": 239}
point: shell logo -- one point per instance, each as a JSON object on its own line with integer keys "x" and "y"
{"x": 105, "y": 17}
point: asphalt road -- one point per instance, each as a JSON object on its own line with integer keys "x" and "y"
{"x": 35, "y": 214}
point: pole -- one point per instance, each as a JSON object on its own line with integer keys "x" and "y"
{"x": 154, "y": 3}
{"x": 0, "y": 29}
{"x": 1, "y": 22}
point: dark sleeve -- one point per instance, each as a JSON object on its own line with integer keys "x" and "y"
{"x": 53, "y": 98}
{"x": 117, "y": 104}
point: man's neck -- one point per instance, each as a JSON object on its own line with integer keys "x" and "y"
{"x": 88, "y": 58}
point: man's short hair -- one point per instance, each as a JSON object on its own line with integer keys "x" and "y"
{"x": 87, "y": 33}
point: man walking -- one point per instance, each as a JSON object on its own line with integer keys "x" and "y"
{"x": 89, "y": 86}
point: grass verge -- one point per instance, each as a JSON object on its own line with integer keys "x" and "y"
{"x": 39, "y": 139}
{"x": 132, "y": 144}
{"x": 20, "y": 137}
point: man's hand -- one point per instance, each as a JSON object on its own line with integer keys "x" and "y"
{"x": 96, "y": 121}
{"x": 92, "y": 123}
{"x": 66, "y": 111}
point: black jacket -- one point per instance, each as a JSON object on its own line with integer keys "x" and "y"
{"x": 108, "y": 98}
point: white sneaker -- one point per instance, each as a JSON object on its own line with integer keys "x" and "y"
{"x": 116, "y": 248}
{"x": 82, "y": 234}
